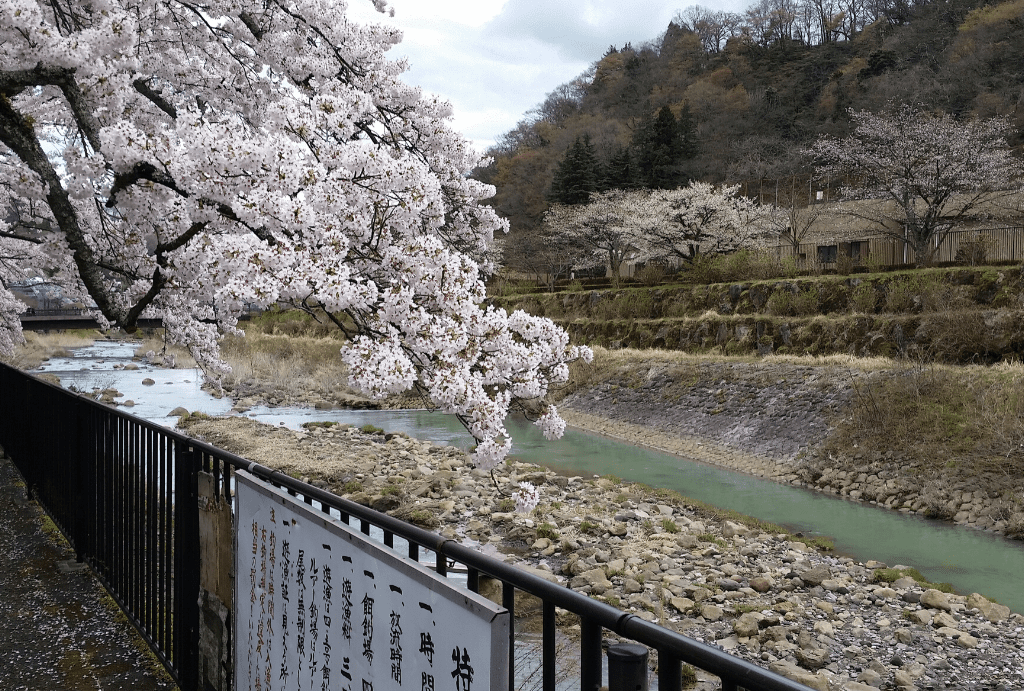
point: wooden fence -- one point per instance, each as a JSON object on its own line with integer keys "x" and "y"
{"x": 968, "y": 247}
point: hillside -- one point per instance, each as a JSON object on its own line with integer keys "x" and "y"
{"x": 748, "y": 103}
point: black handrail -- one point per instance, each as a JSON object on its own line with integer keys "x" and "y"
{"x": 105, "y": 479}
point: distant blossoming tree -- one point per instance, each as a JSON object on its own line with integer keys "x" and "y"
{"x": 606, "y": 230}
{"x": 698, "y": 219}
{"x": 184, "y": 159}
{"x": 918, "y": 174}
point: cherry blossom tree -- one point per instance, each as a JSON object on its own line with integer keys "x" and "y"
{"x": 607, "y": 229}
{"x": 180, "y": 159}
{"x": 698, "y": 219}
{"x": 918, "y": 175}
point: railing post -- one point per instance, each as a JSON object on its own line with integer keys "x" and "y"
{"x": 627, "y": 667}
{"x": 186, "y": 562}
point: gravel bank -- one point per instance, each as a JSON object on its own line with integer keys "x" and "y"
{"x": 831, "y": 623}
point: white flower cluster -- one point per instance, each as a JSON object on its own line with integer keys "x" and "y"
{"x": 527, "y": 497}
{"x": 187, "y": 163}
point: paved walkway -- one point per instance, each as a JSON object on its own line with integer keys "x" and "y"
{"x": 59, "y": 631}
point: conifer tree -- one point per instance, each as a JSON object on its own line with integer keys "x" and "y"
{"x": 620, "y": 171}
{"x": 578, "y": 175}
{"x": 661, "y": 145}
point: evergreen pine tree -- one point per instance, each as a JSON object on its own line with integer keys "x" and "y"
{"x": 661, "y": 145}
{"x": 578, "y": 175}
{"x": 620, "y": 171}
{"x": 688, "y": 132}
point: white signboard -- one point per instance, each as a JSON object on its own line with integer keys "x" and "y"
{"x": 319, "y": 606}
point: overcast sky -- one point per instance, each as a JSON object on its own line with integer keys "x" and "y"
{"x": 496, "y": 59}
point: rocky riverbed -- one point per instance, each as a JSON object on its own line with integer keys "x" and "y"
{"x": 831, "y": 623}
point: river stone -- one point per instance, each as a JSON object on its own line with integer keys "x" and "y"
{"x": 936, "y": 599}
{"x": 887, "y": 593}
{"x": 148, "y": 382}
{"x": 813, "y": 658}
{"x": 903, "y": 680}
{"x": 815, "y": 575}
{"x": 992, "y": 611}
{"x": 732, "y": 528}
{"x": 595, "y": 578}
{"x": 760, "y": 584}
{"x": 966, "y": 640}
{"x": 791, "y": 671}
{"x": 942, "y": 619}
{"x": 711, "y": 612}
{"x": 922, "y": 616}
{"x": 687, "y": 541}
{"x": 178, "y": 412}
{"x": 904, "y": 636}
{"x": 683, "y": 604}
{"x": 747, "y": 624}
{"x": 857, "y": 686}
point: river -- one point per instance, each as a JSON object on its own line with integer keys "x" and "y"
{"x": 970, "y": 560}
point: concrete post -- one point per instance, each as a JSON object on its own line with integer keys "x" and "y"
{"x": 216, "y": 590}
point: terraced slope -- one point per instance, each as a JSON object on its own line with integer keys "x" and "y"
{"x": 950, "y": 315}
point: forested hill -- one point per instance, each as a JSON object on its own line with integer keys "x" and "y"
{"x": 748, "y": 91}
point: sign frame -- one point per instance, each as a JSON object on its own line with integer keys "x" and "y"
{"x": 256, "y": 503}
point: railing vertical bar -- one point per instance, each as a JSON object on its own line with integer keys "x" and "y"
{"x": 440, "y": 564}
{"x": 364, "y": 526}
{"x": 548, "y": 652}
{"x": 389, "y": 539}
{"x": 166, "y": 483}
{"x": 670, "y": 672}
{"x": 508, "y": 601}
{"x": 729, "y": 685}
{"x": 151, "y": 549}
{"x": 590, "y": 654}
{"x": 473, "y": 579}
{"x": 414, "y": 551}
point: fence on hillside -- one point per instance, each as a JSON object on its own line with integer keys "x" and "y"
{"x": 967, "y": 247}
{"x": 124, "y": 492}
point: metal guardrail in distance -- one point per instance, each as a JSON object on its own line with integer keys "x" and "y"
{"x": 124, "y": 492}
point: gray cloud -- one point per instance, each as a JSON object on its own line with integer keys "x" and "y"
{"x": 582, "y": 30}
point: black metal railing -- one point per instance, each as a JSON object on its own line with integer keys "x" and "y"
{"x": 124, "y": 492}
{"x": 117, "y": 487}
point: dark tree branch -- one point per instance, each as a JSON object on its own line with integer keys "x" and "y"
{"x": 252, "y": 25}
{"x": 142, "y": 86}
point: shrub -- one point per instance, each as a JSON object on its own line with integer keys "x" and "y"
{"x": 351, "y": 487}
{"x": 973, "y": 249}
{"x": 783, "y": 303}
{"x": 864, "y": 298}
{"x": 547, "y": 530}
{"x": 845, "y": 264}
{"x": 669, "y": 526}
{"x": 506, "y": 505}
{"x": 651, "y": 274}
{"x": 370, "y": 429}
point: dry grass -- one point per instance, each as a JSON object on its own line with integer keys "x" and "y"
{"x": 39, "y": 346}
{"x": 609, "y": 364}
{"x": 966, "y": 418}
{"x": 300, "y": 364}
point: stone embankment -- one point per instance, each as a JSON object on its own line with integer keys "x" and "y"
{"x": 769, "y": 419}
{"x": 828, "y": 622}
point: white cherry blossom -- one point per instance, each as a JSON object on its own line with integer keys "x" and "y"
{"x": 185, "y": 160}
